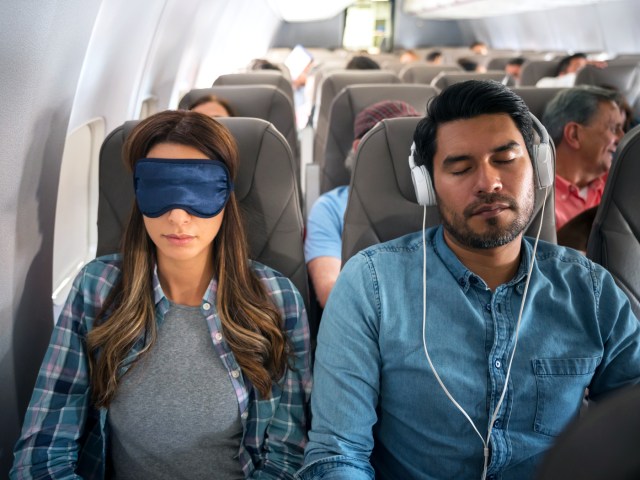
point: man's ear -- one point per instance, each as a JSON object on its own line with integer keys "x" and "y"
{"x": 571, "y": 135}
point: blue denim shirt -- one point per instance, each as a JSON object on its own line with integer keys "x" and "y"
{"x": 376, "y": 404}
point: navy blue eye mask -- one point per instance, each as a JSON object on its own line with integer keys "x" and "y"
{"x": 200, "y": 186}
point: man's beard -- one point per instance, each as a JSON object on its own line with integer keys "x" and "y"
{"x": 496, "y": 235}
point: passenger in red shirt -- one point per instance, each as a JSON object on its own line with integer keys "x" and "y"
{"x": 585, "y": 124}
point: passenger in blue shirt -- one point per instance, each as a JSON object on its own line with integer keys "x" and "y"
{"x": 378, "y": 406}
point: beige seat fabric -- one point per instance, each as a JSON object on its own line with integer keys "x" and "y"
{"x": 615, "y": 237}
{"x": 446, "y": 79}
{"x": 424, "y": 73}
{"x": 537, "y": 98}
{"x": 332, "y": 84}
{"x": 534, "y": 70}
{"x": 259, "y": 101}
{"x": 262, "y": 77}
{"x": 265, "y": 188}
{"x": 382, "y": 202}
{"x": 344, "y": 109}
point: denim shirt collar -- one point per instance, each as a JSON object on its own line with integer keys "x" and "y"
{"x": 466, "y": 277}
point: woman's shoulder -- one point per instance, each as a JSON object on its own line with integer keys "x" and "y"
{"x": 280, "y": 288}
{"x": 101, "y": 271}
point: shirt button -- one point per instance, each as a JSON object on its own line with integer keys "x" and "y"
{"x": 497, "y": 424}
{"x": 235, "y": 373}
{"x": 218, "y": 336}
{"x": 488, "y": 307}
{"x": 491, "y": 477}
{"x": 461, "y": 282}
{"x": 244, "y": 415}
{"x": 206, "y": 306}
{"x": 498, "y": 364}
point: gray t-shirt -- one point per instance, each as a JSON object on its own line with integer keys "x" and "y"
{"x": 175, "y": 414}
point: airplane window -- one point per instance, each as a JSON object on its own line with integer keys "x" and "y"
{"x": 368, "y": 27}
{"x": 75, "y": 233}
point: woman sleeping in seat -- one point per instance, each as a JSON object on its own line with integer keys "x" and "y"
{"x": 180, "y": 357}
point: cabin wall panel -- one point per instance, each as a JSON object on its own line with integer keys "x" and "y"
{"x": 42, "y": 46}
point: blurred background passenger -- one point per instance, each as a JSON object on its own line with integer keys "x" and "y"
{"x": 514, "y": 68}
{"x": 585, "y": 125}
{"x": 213, "y": 106}
{"x": 567, "y": 71}
{"x": 362, "y": 62}
{"x": 479, "y": 48}
{"x": 469, "y": 65}
{"x": 434, "y": 57}
{"x": 262, "y": 64}
{"x": 409, "y": 56}
{"x": 323, "y": 242}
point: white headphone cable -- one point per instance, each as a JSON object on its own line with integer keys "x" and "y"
{"x": 485, "y": 443}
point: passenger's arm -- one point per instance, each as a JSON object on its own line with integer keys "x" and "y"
{"x": 323, "y": 244}
{"x": 323, "y": 272}
{"x": 346, "y": 379}
{"x": 286, "y": 434}
{"x": 48, "y": 446}
{"x": 620, "y": 330}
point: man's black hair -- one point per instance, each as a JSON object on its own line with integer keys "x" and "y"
{"x": 433, "y": 55}
{"x": 362, "y": 62}
{"x": 467, "y": 100}
{"x": 566, "y": 61}
{"x": 516, "y": 61}
{"x": 467, "y": 64}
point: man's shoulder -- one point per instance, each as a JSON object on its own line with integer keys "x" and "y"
{"x": 408, "y": 243}
{"x": 550, "y": 254}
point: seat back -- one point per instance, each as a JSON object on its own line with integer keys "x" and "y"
{"x": 260, "y": 77}
{"x": 537, "y": 98}
{"x": 446, "y": 79}
{"x": 382, "y": 202}
{"x": 422, "y": 72}
{"x": 265, "y": 188}
{"x": 259, "y": 101}
{"x": 332, "y": 84}
{"x": 614, "y": 242}
{"x": 344, "y": 109}
{"x": 534, "y": 70}
{"x": 623, "y": 76}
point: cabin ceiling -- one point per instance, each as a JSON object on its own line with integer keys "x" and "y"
{"x": 464, "y": 9}
{"x": 308, "y": 10}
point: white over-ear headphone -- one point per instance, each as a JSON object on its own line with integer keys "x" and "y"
{"x": 542, "y": 167}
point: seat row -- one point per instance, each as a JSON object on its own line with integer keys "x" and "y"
{"x": 381, "y": 206}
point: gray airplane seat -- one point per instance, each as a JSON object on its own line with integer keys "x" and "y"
{"x": 602, "y": 443}
{"x": 534, "y": 70}
{"x": 260, "y": 77}
{"x": 265, "y": 188}
{"x": 344, "y": 109}
{"x": 424, "y": 73}
{"x": 332, "y": 84}
{"x": 614, "y": 242}
{"x": 625, "y": 77}
{"x": 446, "y": 79}
{"x": 382, "y": 202}
{"x": 537, "y": 98}
{"x": 267, "y": 102}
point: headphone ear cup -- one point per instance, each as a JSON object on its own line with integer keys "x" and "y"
{"x": 543, "y": 165}
{"x": 422, "y": 184}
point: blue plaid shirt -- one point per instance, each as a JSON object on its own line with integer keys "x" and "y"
{"x": 64, "y": 436}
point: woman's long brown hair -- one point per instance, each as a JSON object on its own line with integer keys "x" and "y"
{"x": 251, "y": 324}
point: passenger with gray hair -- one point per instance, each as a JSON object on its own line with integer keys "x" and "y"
{"x": 585, "y": 124}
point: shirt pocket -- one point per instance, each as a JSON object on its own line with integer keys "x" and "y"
{"x": 560, "y": 384}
